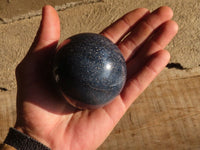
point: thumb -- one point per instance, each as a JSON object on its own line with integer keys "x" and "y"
{"x": 49, "y": 31}
{"x": 37, "y": 63}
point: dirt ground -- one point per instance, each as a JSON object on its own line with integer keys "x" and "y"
{"x": 165, "y": 116}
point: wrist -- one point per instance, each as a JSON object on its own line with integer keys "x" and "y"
{"x": 19, "y": 139}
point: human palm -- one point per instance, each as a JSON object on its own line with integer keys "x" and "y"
{"x": 42, "y": 112}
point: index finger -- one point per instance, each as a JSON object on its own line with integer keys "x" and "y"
{"x": 122, "y": 26}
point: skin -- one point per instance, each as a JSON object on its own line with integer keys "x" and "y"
{"x": 42, "y": 112}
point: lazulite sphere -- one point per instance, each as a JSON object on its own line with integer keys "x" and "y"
{"x": 89, "y": 70}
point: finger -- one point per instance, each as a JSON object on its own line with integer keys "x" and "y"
{"x": 160, "y": 39}
{"x": 143, "y": 30}
{"x": 137, "y": 82}
{"x": 157, "y": 41}
{"x": 135, "y": 86}
{"x": 116, "y": 109}
{"x": 49, "y": 30}
{"x": 119, "y": 28}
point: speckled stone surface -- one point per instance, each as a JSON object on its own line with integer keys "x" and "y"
{"x": 90, "y": 70}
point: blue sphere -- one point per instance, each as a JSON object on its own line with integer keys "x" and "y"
{"x": 89, "y": 70}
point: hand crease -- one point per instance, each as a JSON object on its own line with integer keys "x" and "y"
{"x": 113, "y": 122}
{"x": 126, "y": 21}
{"x": 157, "y": 44}
{"x": 151, "y": 69}
{"x": 109, "y": 35}
{"x": 149, "y": 26}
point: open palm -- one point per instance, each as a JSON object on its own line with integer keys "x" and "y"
{"x": 42, "y": 112}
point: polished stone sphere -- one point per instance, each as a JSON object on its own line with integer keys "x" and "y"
{"x": 89, "y": 70}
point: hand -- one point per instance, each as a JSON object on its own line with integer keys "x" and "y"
{"x": 42, "y": 112}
